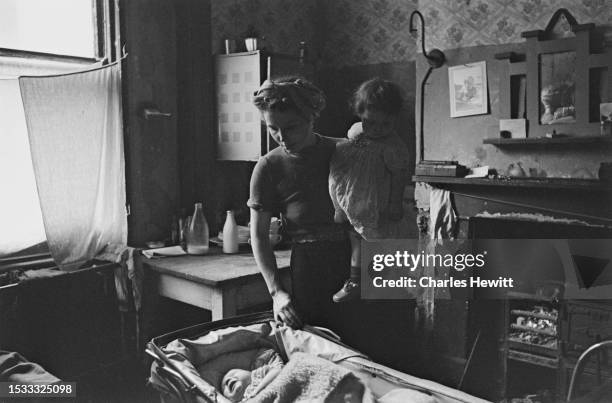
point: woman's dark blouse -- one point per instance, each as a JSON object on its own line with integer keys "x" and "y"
{"x": 296, "y": 185}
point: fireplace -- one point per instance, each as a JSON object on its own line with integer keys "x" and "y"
{"x": 536, "y": 334}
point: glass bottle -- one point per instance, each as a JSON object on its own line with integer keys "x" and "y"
{"x": 174, "y": 230}
{"x": 230, "y": 234}
{"x": 196, "y": 235}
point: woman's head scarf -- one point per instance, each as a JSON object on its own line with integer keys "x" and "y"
{"x": 298, "y": 94}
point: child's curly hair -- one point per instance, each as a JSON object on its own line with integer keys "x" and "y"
{"x": 378, "y": 94}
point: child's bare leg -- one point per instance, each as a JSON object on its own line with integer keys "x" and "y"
{"x": 355, "y": 255}
{"x": 351, "y": 288}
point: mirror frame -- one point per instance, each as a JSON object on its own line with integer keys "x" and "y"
{"x": 540, "y": 42}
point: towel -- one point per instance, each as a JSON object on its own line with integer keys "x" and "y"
{"x": 443, "y": 219}
{"x": 307, "y": 378}
{"x": 129, "y": 271}
{"x": 442, "y": 225}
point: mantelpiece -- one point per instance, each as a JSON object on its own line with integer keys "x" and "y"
{"x": 544, "y": 183}
{"x": 595, "y": 140}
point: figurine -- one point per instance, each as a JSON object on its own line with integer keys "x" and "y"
{"x": 516, "y": 170}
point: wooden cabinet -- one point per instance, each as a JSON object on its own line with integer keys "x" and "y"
{"x": 240, "y": 134}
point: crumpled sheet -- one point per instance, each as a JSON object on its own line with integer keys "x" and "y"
{"x": 16, "y": 368}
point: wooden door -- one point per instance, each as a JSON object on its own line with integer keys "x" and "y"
{"x": 150, "y": 81}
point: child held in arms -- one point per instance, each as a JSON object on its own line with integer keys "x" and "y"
{"x": 368, "y": 174}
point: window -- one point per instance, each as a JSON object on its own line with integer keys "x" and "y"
{"x": 37, "y": 37}
{"x": 61, "y": 27}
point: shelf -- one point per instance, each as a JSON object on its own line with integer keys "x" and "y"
{"x": 545, "y": 183}
{"x": 541, "y": 141}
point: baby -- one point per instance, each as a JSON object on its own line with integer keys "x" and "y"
{"x": 239, "y": 384}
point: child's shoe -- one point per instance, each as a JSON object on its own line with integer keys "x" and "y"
{"x": 348, "y": 292}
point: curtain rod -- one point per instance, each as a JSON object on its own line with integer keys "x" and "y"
{"x": 80, "y": 71}
{"x": 69, "y": 73}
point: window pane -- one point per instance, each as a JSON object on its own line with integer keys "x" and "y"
{"x": 21, "y": 224}
{"x": 64, "y": 27}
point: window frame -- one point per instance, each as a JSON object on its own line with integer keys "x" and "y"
{"x": 107, "y": 49}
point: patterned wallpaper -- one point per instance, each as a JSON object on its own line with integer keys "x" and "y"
{"x": 460, "y": 23}
{"x": 368, "y": 31}
{"x": 339, "y": 32}
{"x": 282, "y": 24}
{"x": 360, "y": 32}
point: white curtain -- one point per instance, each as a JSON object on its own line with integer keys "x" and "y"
{"x": 75, "y": 129}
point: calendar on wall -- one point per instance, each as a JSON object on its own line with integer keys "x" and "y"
{"x": 238, "y": 121}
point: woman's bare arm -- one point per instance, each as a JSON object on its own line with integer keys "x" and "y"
{"x": 266, "y": 261}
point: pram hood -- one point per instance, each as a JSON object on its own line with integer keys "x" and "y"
{"x": 184, "y": 359}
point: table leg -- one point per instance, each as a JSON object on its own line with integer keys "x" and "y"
{"x": 224, "y": 303}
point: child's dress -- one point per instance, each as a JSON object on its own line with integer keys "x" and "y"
{"x": 360, "y": 182}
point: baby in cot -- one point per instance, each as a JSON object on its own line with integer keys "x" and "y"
{"x": 304, "y": 377}
{"x": 239, "y": 384}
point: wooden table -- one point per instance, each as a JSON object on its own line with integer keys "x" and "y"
{"x": 218, "y": 282}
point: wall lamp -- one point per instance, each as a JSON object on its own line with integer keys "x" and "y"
{"x": 436, "y": 59}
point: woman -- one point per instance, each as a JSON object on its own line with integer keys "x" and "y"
{"x": 292, "y": 180}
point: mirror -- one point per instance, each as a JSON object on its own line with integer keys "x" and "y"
{"x": 558, "y": 88}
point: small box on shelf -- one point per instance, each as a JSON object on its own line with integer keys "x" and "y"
{"x": 513, "y": 128}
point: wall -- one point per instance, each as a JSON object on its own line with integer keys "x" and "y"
{"x": 463, "y": 23}
{"x": 461, "y": 138}
{"x": 281, "y": 24}
{"x": 367, "y": 32}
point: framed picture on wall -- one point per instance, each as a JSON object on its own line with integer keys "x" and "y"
{"x": 468, "y": 89}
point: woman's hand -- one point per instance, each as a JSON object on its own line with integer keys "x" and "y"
{"x": 284, "y": 311}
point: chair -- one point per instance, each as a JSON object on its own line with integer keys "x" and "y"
{"x": 601, "y": 349}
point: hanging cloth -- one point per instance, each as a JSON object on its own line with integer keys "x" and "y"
{"x": 75, "y": 129}
{"x": 443, "y": 220}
